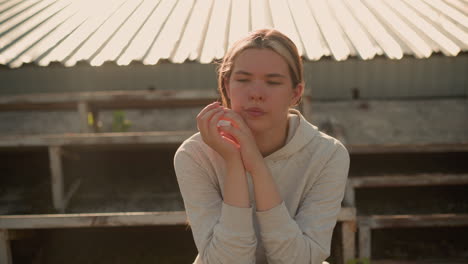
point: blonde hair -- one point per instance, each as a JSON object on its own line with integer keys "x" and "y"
{"x": 261, "y": 39}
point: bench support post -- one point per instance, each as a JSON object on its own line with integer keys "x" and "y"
{"x": 364, "y": 241}
{"x": 348, "y": 230}
{"x": 5, "y": 250}
{"x": 83, "y": 109}
{"x": 57, "y": 178}
{"x": 95, "y": 114}
{"x": 349, "y": 196}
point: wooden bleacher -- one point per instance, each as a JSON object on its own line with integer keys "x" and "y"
{"x": 47, "y": 221}
{"x": 91, "y": 103}
{"x": 367, "y": 223}
{"x": 423, "y": 179}
{"x": 87, "y": 103}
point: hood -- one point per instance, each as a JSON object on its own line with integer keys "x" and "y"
{"x": 300, "y": 133}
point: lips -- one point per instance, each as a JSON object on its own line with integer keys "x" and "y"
{"x": 255, "y": 111}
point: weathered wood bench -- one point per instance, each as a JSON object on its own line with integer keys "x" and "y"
{"x": 57, "y": 149}
{"x": 90, "y": 103}
{"x": 107, "y": 99}
{"x": 9, "y": 224}
{"x": 57, "y": 143}
{"x": 424, "y": 179}
{"x": 367, "y": 223}
{"x": 18, "y": 222}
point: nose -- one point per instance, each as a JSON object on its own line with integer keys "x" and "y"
{"x": 257, "y": 91}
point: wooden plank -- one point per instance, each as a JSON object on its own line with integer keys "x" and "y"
{"x": 5, "y": 250}
{"x": 348, "y": 230}
{"x": 177, "y": 137}
{"x": 74, "y": 187}
{"x": 21, "y": 234}
{"x": 349, "y": 196}
{"x": 166, "y": 137}
{"x": 83, "y": 109}
{"x": 347, "y": 217}
{"x": 364, "y": 241}
{"x": 38, "y": 221}
{"x": 432, "y": 220}
{"x": 92, "y": 220}
{"x": 57, "y": 178}
{"x": 390, "y": 126}
{"x": 96, "y": 122}
{"x": 406, "y": 148}
{"x": 108, "y": 99}
{"x": 423, "y": 179}
{"x": 347, "y": 214}
{"x": 367, "y": 223}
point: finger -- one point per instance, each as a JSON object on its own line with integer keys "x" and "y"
{"x": 208, "y": 108}
{"x": 231, "y": 140}
{"x": 213, "y": 124}
{"x": 216, "y": 134}
{"x": 238, "y": 121}
{"x": 203, "y": 121}
{"x": 233, "y": 132}
{"x": 206, "y": 117}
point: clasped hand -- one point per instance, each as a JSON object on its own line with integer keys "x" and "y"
{"x": 230, "y": 141}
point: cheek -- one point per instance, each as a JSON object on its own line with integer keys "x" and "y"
{"x": 236, "y": 106}
{"x": 236, "y": 100}
{"x": 283, "y": 97}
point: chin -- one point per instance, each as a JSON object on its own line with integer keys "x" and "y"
{"x": 257, "y": 126}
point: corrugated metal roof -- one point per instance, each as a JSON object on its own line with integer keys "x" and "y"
{"x": 68, "y": 31}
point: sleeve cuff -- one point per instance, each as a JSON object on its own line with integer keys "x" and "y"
{"x": 274, "y": 219}
{"x": 237, "y": 219}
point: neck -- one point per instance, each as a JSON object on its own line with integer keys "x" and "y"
{"x": 272, "y": 140}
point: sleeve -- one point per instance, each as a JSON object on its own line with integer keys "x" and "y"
{"x": 222, "y": 233}
{"x": 307, "y": 237}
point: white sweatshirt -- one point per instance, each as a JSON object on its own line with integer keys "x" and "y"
{"x": 310, "y": 172}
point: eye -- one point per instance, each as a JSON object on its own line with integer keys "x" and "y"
{"x": 273, "y": 83}
{"x": 242, "y": 80}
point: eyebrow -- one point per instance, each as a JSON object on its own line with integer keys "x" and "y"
{"x": 268, "y": 75}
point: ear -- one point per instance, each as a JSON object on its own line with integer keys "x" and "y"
{"x": 297, "y": 93}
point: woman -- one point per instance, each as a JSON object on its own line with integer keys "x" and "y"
{"x": 260, "y": 184}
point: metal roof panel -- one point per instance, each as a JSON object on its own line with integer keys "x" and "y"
{"x": 122, "y": 31}
{"x": 191, "y": 40}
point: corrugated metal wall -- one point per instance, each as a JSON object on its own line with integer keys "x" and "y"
{"x": 57, "y": 78}
{"x": 380, "y": 78}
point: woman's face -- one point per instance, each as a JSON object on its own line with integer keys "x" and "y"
{"x": 260, "y": 89}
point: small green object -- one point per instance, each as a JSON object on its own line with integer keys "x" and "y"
{"x": 120, "y": 124}
{"x": 90, "y": 119}
{"x": 358, "y": 261}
